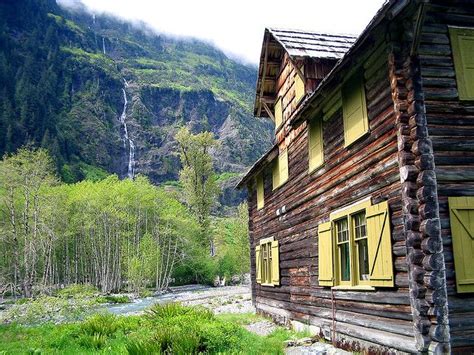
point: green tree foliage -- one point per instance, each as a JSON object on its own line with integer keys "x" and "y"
{"x": 23, "y": 178}
{"x": 110, "y": 233}
{"x": 197, "y": 175}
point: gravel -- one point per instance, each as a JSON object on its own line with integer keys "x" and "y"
{"x": 315, "y": 349}
{"x": 262, "y": 328}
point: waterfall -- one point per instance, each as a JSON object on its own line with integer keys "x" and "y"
{"x": 103, "y": 45}
{"x": 126, "y": 137}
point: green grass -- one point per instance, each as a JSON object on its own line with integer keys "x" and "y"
{"x": 170, "y": 328}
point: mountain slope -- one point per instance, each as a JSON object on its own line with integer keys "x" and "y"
{"x": 104, "y": 94}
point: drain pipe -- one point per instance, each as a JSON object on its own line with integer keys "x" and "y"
{"x": 333, "y": 304}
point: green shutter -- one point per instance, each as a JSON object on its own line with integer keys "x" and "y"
{"x": 379, "y": 245}
{"x": 260, "y": 193}
{"x": 299, "y": 88}
{"x": 325, "y": 255}
{"x": 278, "y": 113}
{"x": 462, "y": 43}
{"x": 275, "y": 263}
{"x": 315, "y": 144}
{"x": 283, "y": 166}
{"x": 276, "y": 174}
{"x": 258, "y": 265}
{"x": 354, "y": 110}
{"x": 461, "y": 211}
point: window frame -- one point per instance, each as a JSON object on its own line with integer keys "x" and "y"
{"x": 461, "y": 236}
{"x": 455, "y": 34}
{"x": 311, "y": 126}
{"x": 348, "y": 213}
{"x": 260, "y": 188}
{"x": 278, "y": 112}
{"x": 355, "y": 80}
{"x": 277, "y": 170}
{"x": 266, "y": 262}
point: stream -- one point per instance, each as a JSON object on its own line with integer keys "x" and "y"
{"x": 178, "y": 293}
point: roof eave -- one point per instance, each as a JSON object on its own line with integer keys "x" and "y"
{"x": 396, "y": 6}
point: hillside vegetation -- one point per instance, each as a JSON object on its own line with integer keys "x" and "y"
{"x": 62, "y": 76}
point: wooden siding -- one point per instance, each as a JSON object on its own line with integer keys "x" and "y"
{"x": 313, "y": 70}
{"x": 293, "y": 212}
{"x": 451, "y": 129}
{"x": 286, "y": 90}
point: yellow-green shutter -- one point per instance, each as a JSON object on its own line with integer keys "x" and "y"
{"x": 258, "y": 265}
{"x": 461, "y": 214}
{"x": 379, "y": 245}
{"x": 283, "y": 166}
{"x": 260, "y": 193}
{"x": 275, "y": 263}
{"x": 278, "y": 113}
{"x": 299, "y": 88}
{"x": 276, "y": 174}
{"x": 315, "y": 144}
{"x": 354, "y": 110}
{"x": 325, "y": 255}
{"x": 462, "y": 43}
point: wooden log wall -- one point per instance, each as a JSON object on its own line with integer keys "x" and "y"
{"x": 451, "y": 129}
{"x": 286, "y": 89}
{"x": 313, "y": 69}
{"x": 420, "y": 201}
{"x": 293, "y": 212}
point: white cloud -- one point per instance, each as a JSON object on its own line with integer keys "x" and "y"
{"x": 237, "y": 26}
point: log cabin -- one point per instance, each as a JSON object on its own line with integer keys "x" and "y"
{"x": 361, "y": 215}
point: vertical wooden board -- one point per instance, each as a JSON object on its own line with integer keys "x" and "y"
{"x": 325, "y": 255}
{"x": 260, "y": 192}
{"x": 354, "y": 110}
{"x": 315, "y": 144}
{"x": 275, "y": 263}
{"x": 283, "y": 167}
{"x": 462, "y": 231}
{"x": 379, "y": 245}
{"x": 258, "y": 265}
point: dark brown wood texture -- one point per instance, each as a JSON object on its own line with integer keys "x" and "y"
{"x": 293, "y": 211}
{"x": 451, "y": 129}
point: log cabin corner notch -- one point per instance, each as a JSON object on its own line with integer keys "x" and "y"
{"x": 374, "y": 222}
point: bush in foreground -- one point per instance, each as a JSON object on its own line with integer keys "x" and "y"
{"x": 164, "y": 329}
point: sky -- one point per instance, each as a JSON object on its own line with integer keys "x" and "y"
{"x": 237, "y": 27}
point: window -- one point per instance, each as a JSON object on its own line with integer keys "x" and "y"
{"x": 462, "y": 43}
{"x": 280, "y": 169}
{"x": 315, "y": 144}
{"x": 260, "y": 192}
{"x": 461, "y": 214}
{"x": 354, "y": 248}
{"x": 278, "y": 113}
{"x": 267, "y": 262}
{"x": 299, "y": 88}
{"x": 354, "y": 110}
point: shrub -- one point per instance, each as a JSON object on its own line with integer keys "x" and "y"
{"x": 173, "y": 310}
{"x": 95, "y": 341}
{"x": 142, "y": 347}
{"x": 77, "y": 291}
{"x": 113, "y": 299}
{"x": 103, "y": 324}
{"x": 47, "y": 308}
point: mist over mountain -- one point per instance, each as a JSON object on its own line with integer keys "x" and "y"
{"x": 102, "y": 94}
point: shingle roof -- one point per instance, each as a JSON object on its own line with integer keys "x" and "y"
{"x": 312, "y": 44}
